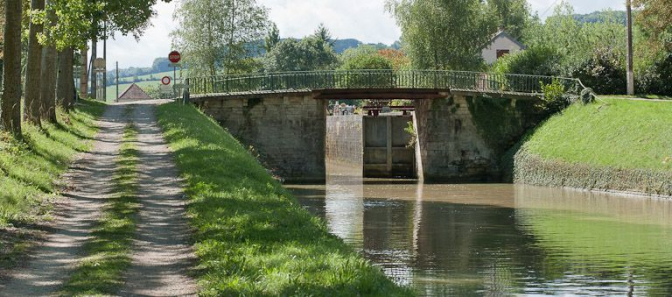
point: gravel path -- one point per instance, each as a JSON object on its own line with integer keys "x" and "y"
{"x": 74, "y": 215}
{"x": 162, "y": 253}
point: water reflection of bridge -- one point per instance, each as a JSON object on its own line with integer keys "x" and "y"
{"x": 500, "y": 239}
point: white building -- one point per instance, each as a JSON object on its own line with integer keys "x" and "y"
{"x": 501, "y": 44}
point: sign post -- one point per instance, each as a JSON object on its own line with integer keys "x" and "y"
{"x": 174, "y": 58}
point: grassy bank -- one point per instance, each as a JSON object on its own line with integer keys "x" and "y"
{"x": 29, "y": 172}
{"x": 108, "y": 253}
{"x": 252, "y": 237}
{"x": 612, "y": 144}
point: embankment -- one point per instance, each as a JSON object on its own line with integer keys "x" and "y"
{"x": 30, "y": 171}
{"x": 609, "y": 145}
{"x": 252, "y": 238}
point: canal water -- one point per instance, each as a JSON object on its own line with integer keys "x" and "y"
{"x": 500, "y": 239}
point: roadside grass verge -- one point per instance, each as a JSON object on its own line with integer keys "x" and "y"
{"x": 252, "y": 237}
{"x": 612, "y": 144}
{"x": 108, "y": 253}
{"x": 30, "y": 171}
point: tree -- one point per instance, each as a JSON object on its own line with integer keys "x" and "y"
{"x": 11, "y": 97}
{"x": 215, "y": 35}
{"x": 65, "y": 89}
{"x": 323, "y": 35}
{"x": 49, "y": 54}
{"x": 364, "y": 57}
{"x": 272, "y": 38}
{"x": 34, "y": 65}
{"x": 398, "y": 58}
{"x": 512, "y": 15}
{"x": 294, "y": 55}
{"x": 574, "y": 42}
{"x": 656, "y": 19}
{"x": 442, "y": 34}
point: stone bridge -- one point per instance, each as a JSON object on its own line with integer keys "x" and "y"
{"x": 464, "y": 121}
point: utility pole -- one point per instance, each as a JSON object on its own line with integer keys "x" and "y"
{"x": 105, "y": 58}
{"x": 117, "y": 76}
{"x": 631, "y": 75}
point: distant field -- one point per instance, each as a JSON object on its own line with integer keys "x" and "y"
{"x": 111, "y": 90}
{"x": 125, "y": 82}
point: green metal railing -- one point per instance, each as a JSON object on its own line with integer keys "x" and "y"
{"x": 379, "y": 79}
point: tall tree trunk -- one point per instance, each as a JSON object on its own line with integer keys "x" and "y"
{"x": 65, "y": 90}
{"x": 11, "y": 97}
{"x": 34, "y": 68}
{"x": 48, "y": 88}
{"x": 94, "y": 55}
{"x": 83, "y": 76}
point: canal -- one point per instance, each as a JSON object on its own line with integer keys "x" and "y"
{"x": 500, "y": 239}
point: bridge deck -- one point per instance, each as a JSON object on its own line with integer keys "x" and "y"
{"x": 378, "y": 84}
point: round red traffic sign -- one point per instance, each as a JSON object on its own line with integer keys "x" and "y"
{"x": 174, "y": 57}
{"x": 165, "y": 80}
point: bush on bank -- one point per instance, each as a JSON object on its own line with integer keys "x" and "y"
{"x": 252, "y": 237}
{"x": 611, "y": 144}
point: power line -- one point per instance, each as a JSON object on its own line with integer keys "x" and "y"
{"x": 549, "y": 8}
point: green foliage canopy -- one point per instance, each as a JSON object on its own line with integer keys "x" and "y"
{"x": 364, "y": 57}
{"x": 215, "y": 35}
{"x": 442, "y": 34}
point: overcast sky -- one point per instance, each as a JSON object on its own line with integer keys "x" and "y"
{"x": 365, "y": 20}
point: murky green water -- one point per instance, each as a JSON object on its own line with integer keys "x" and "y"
{"x": 497, "y": 240}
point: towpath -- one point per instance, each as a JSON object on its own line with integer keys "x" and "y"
{"x": 161, "y": 253}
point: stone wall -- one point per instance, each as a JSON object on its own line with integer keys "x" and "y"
{"x": 462, "y": 138}
{"x": 344, "y": 140}
{"x": 287, "y": 131}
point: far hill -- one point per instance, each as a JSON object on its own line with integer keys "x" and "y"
{"x": 601, "y": 17}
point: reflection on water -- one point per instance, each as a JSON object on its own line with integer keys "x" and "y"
{"x": 500, "y": 239}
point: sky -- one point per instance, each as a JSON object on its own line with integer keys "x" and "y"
{"x": 365, "y": 20}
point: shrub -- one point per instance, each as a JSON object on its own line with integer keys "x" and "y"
{"x": 539, "y": 60}
{"x": 655, "y": 80}
{"x": 554, "y": 98}
{"x": 604, "y": 72}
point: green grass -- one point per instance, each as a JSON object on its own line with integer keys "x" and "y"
{"x": 108, "y": 253}
{"x": 30, "y": 171}
{"x": 252, "y": 237}
{"x": 621, "y": 134}
{"x": 640, "y": 96}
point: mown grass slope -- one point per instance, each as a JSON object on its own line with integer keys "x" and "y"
{"x": 611, "y": 132}
{"x": 612, "y": 144}
{"x": 252, "y": 237}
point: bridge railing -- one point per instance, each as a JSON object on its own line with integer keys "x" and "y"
{"x": 379, "y": 79}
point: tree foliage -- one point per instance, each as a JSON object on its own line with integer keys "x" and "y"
{"x": 656, "y": 18}
{"x": 306, "y": 54}
{"x": 444, "y": 34}
{"x": 513, "y": 16}
{"x": 537, "y": 60}
{"x": 215, "y": 35}
{"x": 364, "y": 57}
{"x": 272, "y": 38}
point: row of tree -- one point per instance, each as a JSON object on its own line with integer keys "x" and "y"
{"x": 226, "y": 40}
{"x": 38, "y": 72}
